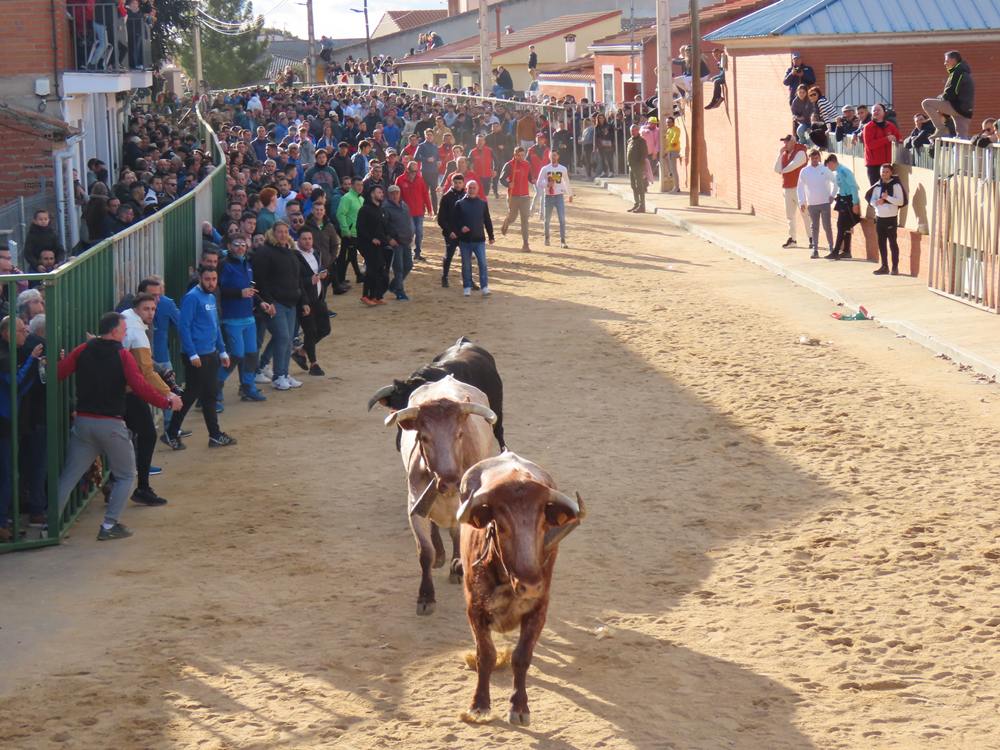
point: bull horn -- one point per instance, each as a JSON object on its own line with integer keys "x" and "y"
{"x": 561, "y": 498}
{"x": 480, "y": 411}
{"x": 555, "y": 535}
{"x": 384, "y": 392}
{"x": 465, "y": 509}
{"x": 410, "y": 412}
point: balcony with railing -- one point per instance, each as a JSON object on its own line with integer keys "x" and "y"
{"x": 107, "y": 43}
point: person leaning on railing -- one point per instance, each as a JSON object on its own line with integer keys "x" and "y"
{"x": 27, "y": 373}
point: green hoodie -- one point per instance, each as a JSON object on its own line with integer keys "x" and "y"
{"x": 347, "y": 213}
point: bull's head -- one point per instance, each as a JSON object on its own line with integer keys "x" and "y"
{"x": 392, "y": 396}
{"x": 440, "y": 426}
{"x": 530, "y": 519}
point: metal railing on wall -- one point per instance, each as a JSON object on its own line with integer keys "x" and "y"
{"x": 76, "y": 295}
{"x": 965, "y": 228}
{"x": 16, "y": 217}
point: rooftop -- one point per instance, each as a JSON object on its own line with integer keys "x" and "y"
{"x": 411, "y": 19}
{"x": 468, "y": 49}
{"x": 792, "y": 18}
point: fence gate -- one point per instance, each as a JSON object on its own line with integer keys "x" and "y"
{"x": 859, "y": 84}
{"x": 965, "y": 229}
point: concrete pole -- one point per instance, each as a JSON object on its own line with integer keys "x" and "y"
{"x": 664, "y": 82}
{"x": 697, "y": 108}
{"x": 199, "y": 74}
{"x": 484, "y": 50}
{"x": 368, "y": 46}
{"x": 311, "y": 62}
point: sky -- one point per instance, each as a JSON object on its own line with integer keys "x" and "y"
{"x": 333, "y": 18}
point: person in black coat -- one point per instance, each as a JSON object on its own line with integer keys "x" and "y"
{"x": 445, "y": 221}
{"x": 315, "y": 325}
{"x": 373, "y": 242}
{"x": 41, "y": 236}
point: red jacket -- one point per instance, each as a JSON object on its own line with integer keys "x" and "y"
{"x": 791, "y": 179}
{"x": 536, "y": 161}
{"x": 482, "y": 161}
{"x": 878, "y": 147}
{"x": 518, "y": 176}
{"x": 415, "y": 193}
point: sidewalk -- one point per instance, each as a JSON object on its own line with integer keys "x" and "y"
{"x": 902, "y": 304}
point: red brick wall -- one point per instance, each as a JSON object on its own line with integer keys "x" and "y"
{"x": 26, "y": 38}
{"x": 26, "y": 159}
{"x": 918, "y": 72}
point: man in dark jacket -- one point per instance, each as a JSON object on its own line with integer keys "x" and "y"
{"x": 957, "y": 100}
{"x": 326, "y": 243}
{"x": 471, "y": 215}
{"x": 373, "y": 242}
{"x": 445, "y": 221}
{"x": 637, "y": 156}
{"x": 920, "y": 136}
{"x": 798, "y": 74}
{"x": 401, "y": 233}
{"x": 276, "y": 273}
{"x": 341, "y": 161}
{"x": 41, "y": 236}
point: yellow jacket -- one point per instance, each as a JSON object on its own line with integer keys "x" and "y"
{"x": 672, "y": 139}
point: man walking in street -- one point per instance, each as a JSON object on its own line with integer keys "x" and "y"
{"x": 445, "y": 220}
{"x": 636, "y": 154}
{"x": 103, "y": 369}
{"x": 554, "y": 188}
{"x": 429, "y": 157}
{"x": 847, "y": 204}
{"x": 400, "y": 236}
{"x": 791, "y": 159}
{"x": 414, "y": 193}
{"x": 815, "y": 192}
{"x": 515, "y": 177}
{"x": 204, "y": 350}
{"x": 471, "y": 215}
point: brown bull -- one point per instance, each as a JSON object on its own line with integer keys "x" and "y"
{"x": 446, "y": 428}
{"x": 513, "y": 518}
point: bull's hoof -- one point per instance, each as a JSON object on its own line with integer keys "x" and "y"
{"x": 455, "y": 576}
{"x": 440, "y": 560}
{"x": 425, "y": 608}
{"x": 477, "y": 716}
{"x": 519, "y": 718}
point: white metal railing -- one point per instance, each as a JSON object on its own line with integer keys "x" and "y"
{"x": 965, "y": 229}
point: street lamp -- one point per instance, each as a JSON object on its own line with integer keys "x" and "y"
{"x": 368, "y": 40}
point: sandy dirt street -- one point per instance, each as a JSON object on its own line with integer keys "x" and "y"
{"x": 790, "y": 546}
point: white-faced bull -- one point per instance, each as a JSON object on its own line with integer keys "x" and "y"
{"x": 468, "y": 363}
{"x": 446, "y": 428}
{"x": 513, "y": 519}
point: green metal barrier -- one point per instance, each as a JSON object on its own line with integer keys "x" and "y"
{"x": 76, "y": 295}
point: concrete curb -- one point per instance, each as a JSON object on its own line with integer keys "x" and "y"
{"x": 899, "y": 327}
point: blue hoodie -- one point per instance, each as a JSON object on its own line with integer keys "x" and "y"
{"x": 166, "y": 313}
{"x": 235, "y": 275}
{"x": 199, "y": 326}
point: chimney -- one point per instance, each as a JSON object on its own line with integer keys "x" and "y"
{"x": 570, "y": 47}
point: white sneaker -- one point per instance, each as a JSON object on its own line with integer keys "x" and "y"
{"x": 268, "y": 372}
{"x": 486, "y": 291}
{"x": 466, "y": 292}
{"x": 281, "y": 383}
{"x": 261, "y": 378}
{"x": 292, "y": 382}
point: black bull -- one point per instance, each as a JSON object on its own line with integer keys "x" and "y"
{"x": 464, "y": 360}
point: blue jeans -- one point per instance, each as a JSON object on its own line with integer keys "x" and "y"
{"x": 33, "y": 468}
{"x": 558, "y": 202}
{"x": 279, "y": 347}
{"x": 402, "y": 264}
{"x": 418, "y": 234}
{"x": 241, "y": 345}
{"x": 6, "y": 478}
{"x": 467, "y": 249}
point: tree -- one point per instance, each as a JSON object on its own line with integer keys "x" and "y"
{"x": 173, "y": 19}
{"x": 228, "y": 61}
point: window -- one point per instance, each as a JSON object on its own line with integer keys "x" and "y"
{"x": 859, "y": 84}
{"x": 609, "y": 88}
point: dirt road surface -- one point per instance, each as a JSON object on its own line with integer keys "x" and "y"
{"x": 790, "y": 546}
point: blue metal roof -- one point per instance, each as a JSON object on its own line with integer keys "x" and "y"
{"x": 828, "y": 17}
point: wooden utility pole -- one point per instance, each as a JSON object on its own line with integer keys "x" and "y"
{"x": 311, "y": 62}
{"x": 664, "y": 82}
{"x": 368, "y": 45}
{"x": 697, "y": 108}
{"x": 484, "y": 50}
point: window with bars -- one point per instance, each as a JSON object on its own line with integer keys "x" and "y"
{"x": 859, "y": 84}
